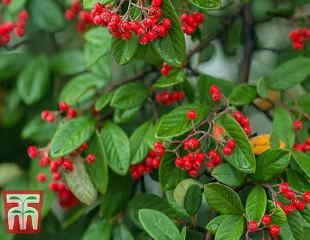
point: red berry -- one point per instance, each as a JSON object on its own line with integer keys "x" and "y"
{"x": 274, "y": 230}
{"x": 156, "y": 3}
{"x": 231, "y": 143}
{"x": 298, "y": 125}
{"x": 6, "y": 2}
{"x": 266, "y": 220}
{"x": 306, "y": 197}
{"x": 54, "y": 166}
{"x": 68, "y": 165}
{"x": 20, "y": 32}
{"x": 33, "y": 152}
{"x": 53, "y": 186}
{"x": 56, "y": 176}
{"x": 252, "y": 226}
{"x": 227, "y": 151}
{"x": 41, "y": 177}
{"x": 90, "y": 158}
{"x": 300, "y": 205}
{"x": 283, "y": 187}
{"x": 71, "y": 113}
{"x": 191, "y": 115}
{"x": 63, "y": 106}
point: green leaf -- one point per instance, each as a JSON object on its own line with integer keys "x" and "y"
{"x": 68, "y": 62}
{"x": 130, "y": 95}
{"x": 262, "y": 89}
{"x": 47, "y": 15}
{"x": 231, "y": 228}
{"x": 297, "y": 181}
{"x": 116, "y": 146}
{"x": 271, "y": 163}
{"x": 181, "y": 189}
{"x": 209, "y": 4}
{"x": 169, "y": 175}
{"x": 192, "y": 200}
{"x": 171, "y": 47}
{"x": 149, "y": 201}
{"x": 78, "y": 87}
{"x": 123, "y": 50}
{"x": 103, "y": 101}
{"x": 278, "y": 217}
{"x": 242, "y": 95}
{"x": 121, "y": 232}
{"x": 158, "y": 225}
{"x": 125, "y": 115}
{"x": 290, "y": 73}
{"x": 174, "y": 78}
{"x": 98, "y": 170}
{"x": 8, "y": 172}
{"x": 228, "y": 175}
{"x": 302, "y": 159}
{"x": 256, "y": 203}
{"x": 141, "y": 142}
{"x": 215, "y": 223}
{"x": 176, "y": 122}
{"x": 242, "y": 157}
{"x": 100, "y": 229}
{"x": 294, "y": 229}
{"x": 282, "y": 128}
{"x": 32, "y": 82}
{"x": 80, "y": 184}
{"x": 118, "y": 195}
{"x": 71, "y": 135}
{"x": 92, "y": 54}
{"x": 304, "y": 103}
{"x": 223, "y": 199}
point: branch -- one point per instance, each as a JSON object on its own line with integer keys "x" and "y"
{"x": 249, "y": 43}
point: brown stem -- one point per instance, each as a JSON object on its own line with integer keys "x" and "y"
{"x": 248, "y": 45}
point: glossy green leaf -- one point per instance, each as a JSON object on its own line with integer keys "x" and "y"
{"x": 32, "y": 82}
{"x": 158, "y": 225}
{"x": 149, "y": 201}
{"x": 181, "y": 189}
{"x": 171, "y": 47}
{"x": 278, "y": 217}
{"x": 98, "y": 170}
{"x": 290, "y": 73}
{"x": 123, "y": 50}
{"x": 256, "y": 203}
{"x": 271, "y": 163}
{"x": 242, "y": 157}
{"x": 297, "y": 181}
{"x": 116, "y": 146}
{"x": 192, "y": 200}
{"x": 228, "y": 175}
{"x": 176, "y": 122}
{"x": 47, "y": 15}
{"x": 80, "y": 184}
{"x": 129, "y": 96}
{"x": 78, "y": 87}
{"x": 214, "y": 224}
{"x": 125, "y": 115}
{"x": 169, "y": 175}
{"x": 68, "y": 62}
{"x": 103, "y": 101}
{"x": 242, "y": 95}
{"x": 141, "y": 142}
{"x": 209, "y": 4}
{"x": 71, "y": 135}
{"x": 304, "y": 103}
{"x": 100, "y": 229}
{"x": 231, "y": 228}
{"x": 302, "y": 159}
{"x": 121, "y": 232}
{"x": 282, "y": 128}
{"x": 223, "y": 199}
{"x": 172, "y": 79}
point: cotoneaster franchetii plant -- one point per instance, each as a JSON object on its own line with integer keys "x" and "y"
{"x": 137, "y": 139}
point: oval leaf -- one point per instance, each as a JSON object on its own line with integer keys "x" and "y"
{"x": 256, "y": 204}
{"x": 123, "y": 50}
{"x": 228, "y": 175}
{"x": 230, "y": 231}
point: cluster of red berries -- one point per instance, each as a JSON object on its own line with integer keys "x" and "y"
{"x": 215, "y": 159}
{"x": 169, "y": 97}
{"x": 303, "y": 147}
{"x": 243, "y": 121}
{"x": 50, "y": 116}
{"x": 165, "y": 69}
{"x": 190, "y": 22}
{"x": 84, "y": 20}
{"x": 149, "y": 29}
{"x": 150, "y": 163}
{"x": 297, "y": 201}
{"x": 56, "y": 168}
{"x": 299, "y": 37}
{"x": 192, "y": 162}
{"x": 215, "y": 93}
{"x": 298, "y": 125}
{"x": 6, "y": 28}
{"x": 274, "y": 230}
{"x": 229, "y": 147}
